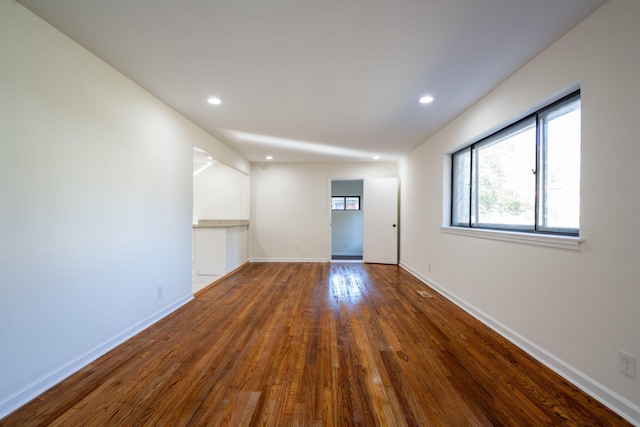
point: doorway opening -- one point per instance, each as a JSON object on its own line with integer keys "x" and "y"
{"x": 346, "y": 220}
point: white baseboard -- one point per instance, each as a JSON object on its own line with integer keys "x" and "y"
{"x": 289, "y": 259}
{"x": 622, "y": 406}
{"x": 38, "y": 387}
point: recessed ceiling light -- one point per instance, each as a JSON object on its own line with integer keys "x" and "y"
{"x": 376, "y": 157}
{"x": 426, "y": 99}
{"x": 269, "y": 157}
{"x": 215, "y": 101}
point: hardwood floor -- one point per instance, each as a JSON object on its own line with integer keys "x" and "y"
{"x": 315, "y": 344}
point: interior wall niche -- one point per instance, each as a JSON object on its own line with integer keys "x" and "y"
{"x": 219, "y": 192}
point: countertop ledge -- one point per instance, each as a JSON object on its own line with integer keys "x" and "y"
{"x": 221, "y": 223}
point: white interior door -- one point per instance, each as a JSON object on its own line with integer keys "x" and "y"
{"x": 380, "y": 221}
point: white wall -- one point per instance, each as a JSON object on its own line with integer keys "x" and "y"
{"x": 346, "y": 226}
{"x": 237, "y": 247}
{"x": 290, "y": 207}
{"x": 220, "y": 192}
{"x": 575, "y": 310}
{"x": 95, "y": 211}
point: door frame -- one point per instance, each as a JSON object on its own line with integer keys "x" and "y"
{"x": 330, "y": 179}
{"x": 328, "y": 207}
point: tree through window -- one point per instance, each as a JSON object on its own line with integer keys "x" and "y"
{"x": 525, "y": 177}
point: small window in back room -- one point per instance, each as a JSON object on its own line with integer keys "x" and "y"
{"x": 345, "y": 203}
{"x": 352, "y": 203}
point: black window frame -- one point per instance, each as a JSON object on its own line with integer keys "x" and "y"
{"x": 540, "y": 196}
{"x": 344, "y": 203}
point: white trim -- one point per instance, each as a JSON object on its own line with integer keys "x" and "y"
{"x": 617, "y": 403}
{"x": 289, "y": 259}
{"x": 38, "y": 387}
{"x": 548, "y": 240}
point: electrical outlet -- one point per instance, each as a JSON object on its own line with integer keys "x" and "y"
{"x": 297, "y": 248}
{"x": 160, "y": 291}
{"x": 429, "y": 267}
{"x": 628, "y": 364}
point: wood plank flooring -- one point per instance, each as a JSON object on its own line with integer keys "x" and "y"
{"x": 315, "y": 344}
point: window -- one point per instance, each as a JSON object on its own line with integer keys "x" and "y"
{"x": 345, "y": 203}
{"x": 525, "y": 177}
{"x": 337, "y": 203}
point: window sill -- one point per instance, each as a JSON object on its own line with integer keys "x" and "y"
{"x": 552, "y": 241}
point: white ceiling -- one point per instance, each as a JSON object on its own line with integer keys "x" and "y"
{"x": 304, "y": 80}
